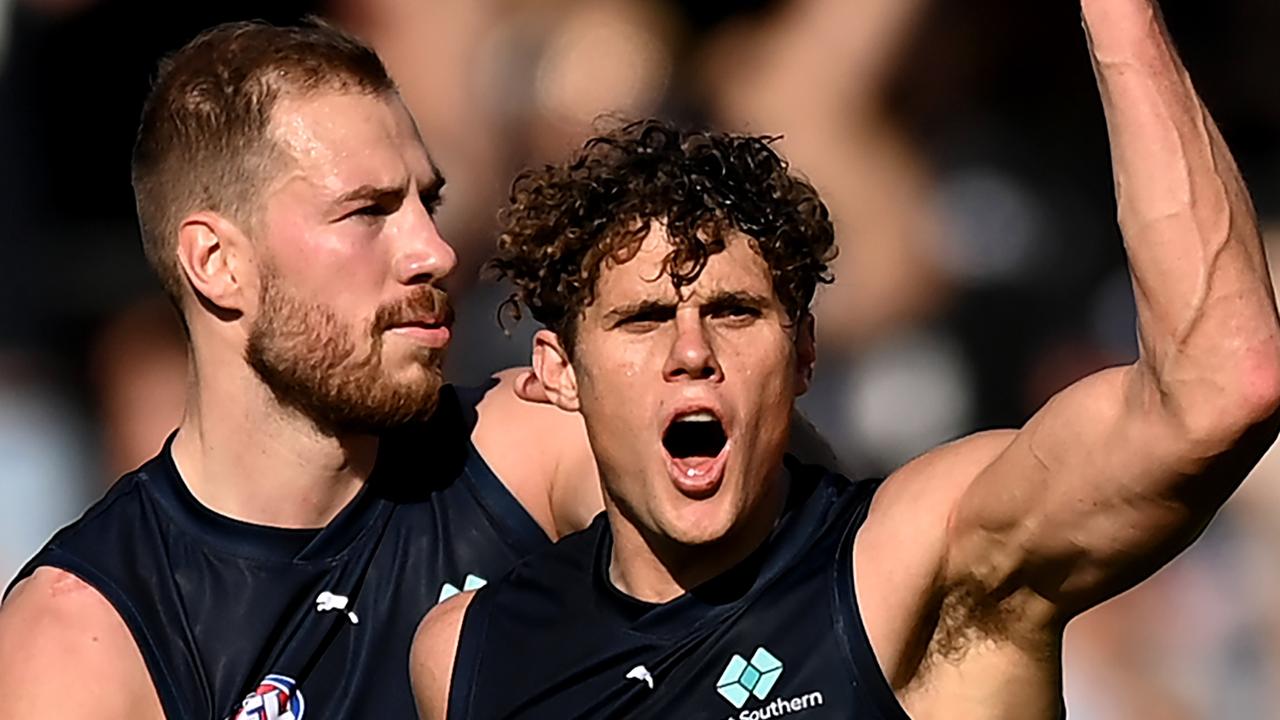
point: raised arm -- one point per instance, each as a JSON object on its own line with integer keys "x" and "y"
{"x": 995, "y": 541}
{"x": 1121, "y": 471}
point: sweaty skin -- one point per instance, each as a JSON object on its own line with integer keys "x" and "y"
{"x": 975, "y": 555}
{"x": 1013, "y": 533}
{"x": 347, "y": 223}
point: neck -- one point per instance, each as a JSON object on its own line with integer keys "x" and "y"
{"x": 654, "y": 568}
{"x": 245, "y": 456}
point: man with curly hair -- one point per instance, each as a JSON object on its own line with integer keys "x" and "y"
{"x": 674, "y": 272}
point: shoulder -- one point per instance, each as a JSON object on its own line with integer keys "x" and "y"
{"x": 934, "y": 481}
{"x": 901, "y": 549}
{"x": 431, "y": 660}
{"x": 917, "y": 500}
{"x": 55, "y": 627}
{"x": 540, "y": 453}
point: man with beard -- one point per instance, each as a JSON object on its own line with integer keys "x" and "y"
{"x": 321, "y": 492}
{"x": 675, "y": 270}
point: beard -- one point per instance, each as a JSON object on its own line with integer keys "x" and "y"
{"x": 307, "y": 358}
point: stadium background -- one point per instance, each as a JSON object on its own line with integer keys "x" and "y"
{"x": 960, "y": 146}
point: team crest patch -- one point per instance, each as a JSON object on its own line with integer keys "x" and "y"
{"x": 277, "y": 698}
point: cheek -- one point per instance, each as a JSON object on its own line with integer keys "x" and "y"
{"x": 628, "y": 368}
{"x": 335, "y": 265}
{"x": 765, "y": 358}
{"x": 618, "y": 392}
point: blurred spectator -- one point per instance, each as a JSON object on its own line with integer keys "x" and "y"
{"x": 4, "y": 31}
{"x": 71, "y": 93}
{"x": 138, "y": 368}
{"x": 45, "y": 457}
{"x": 817, "y": 73}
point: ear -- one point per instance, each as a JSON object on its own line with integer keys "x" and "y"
{"x": 212, "y": 252}
{"x": 554, "y": 370}
{"x": 806, "y": 353}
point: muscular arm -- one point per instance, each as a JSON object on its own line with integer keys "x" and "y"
{"x": 65, "y": 652}
{"x": 1122, "y": 470}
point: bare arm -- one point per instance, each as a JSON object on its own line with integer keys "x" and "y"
{"x": 65, "y": 652}
{"x": 1010, "y": 534}
{"x": 431, "y": 659}
{"x": 540, "y": 452}
{"x": 1121, "y": 471}
{"x": 975, "y": 555}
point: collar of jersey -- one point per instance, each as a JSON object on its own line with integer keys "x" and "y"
{"x": 726, "y": 593}
{"x": 263, "y": 542}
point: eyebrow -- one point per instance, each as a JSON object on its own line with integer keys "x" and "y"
{"x": 372, "y": 192}
{"x": 718, "y": 301}
{"x": 642, "y": 307}
{"x": 725, "y": 300}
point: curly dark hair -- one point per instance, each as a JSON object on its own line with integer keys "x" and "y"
{"x": 563, "y": 221}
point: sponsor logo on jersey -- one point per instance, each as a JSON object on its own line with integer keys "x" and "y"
{"x": 742, "y": 679}
{"x": 328, "y": 601}
{"x": 277, "y": 698}
{"x": 642, "y": 674}
{"x": 472, "y": 582}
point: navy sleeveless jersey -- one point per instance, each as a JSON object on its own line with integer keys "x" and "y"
{"x": 258, "y": 623}
{"x": 777, "y": 636}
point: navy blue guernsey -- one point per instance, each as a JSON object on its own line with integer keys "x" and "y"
{"x": 777, "y": 636}
{"x": 257, "y": 623}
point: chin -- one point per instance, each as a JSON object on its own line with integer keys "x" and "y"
{"x": 695, "y": 526}
{"x": 408, "y": 357}
{"x": 414, "y": 372}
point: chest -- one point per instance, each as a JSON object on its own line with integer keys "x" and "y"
{"x": 284, "y": 641}
{"x": 783, "y": 655}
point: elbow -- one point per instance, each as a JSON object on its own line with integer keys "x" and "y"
{"x": 1257, "y": 385}
{"x": 1245, "y": 399}
{"x": 1260, "y": 394}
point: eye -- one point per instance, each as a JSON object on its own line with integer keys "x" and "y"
{"x": 368, "y": 213}
{"x": 431, "y": 201}
{"x": 646, "y": 320}
{"x": 736, "y": 314}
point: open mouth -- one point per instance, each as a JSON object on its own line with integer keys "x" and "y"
{"x": 695, "y": 443}
{"x": 693, "y": 436}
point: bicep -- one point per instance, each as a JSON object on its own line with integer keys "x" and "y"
{"x": 54, "y": 627}
{"x": 1097, "y": 491}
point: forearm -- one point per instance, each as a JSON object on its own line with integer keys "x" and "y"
{"x": 1207, "y": 318}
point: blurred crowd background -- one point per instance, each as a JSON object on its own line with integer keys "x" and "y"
{"x": 960, "y": 147}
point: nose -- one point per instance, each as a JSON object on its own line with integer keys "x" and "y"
{"x": 692, "y": 356}
{"x": 422, "y": 255}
